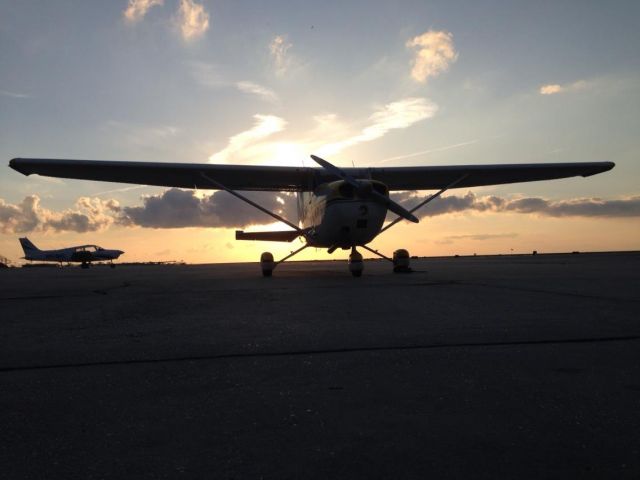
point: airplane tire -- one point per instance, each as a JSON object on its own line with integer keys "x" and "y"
{"x": 112, "y": 265}
{"x": 401, "y": 261}
{"x": 356, "y": 264}
{"x": 267, "y": 264}
{"x": 84, "y": 265}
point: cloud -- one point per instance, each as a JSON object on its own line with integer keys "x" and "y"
{"x": 477, "y": 237}
{"x": 142, "y": 135}
{"x": 176, "y": 208}
{"x": 554, "y": 88}
{"x": 279, "y": 48}
{"x": 192, "y": 19}
{"x": 434, "y": 53}
{"x": 264, "y": 126}
{"x": 208, "y": 76}
{"x": 137, "y": 9}
{"x": 580, "y": 207}
{"x": 7, "y": 93}
{"x": 431, "y": 150}
{"x": 90, "y": 214}
{"x": 259, "y": 90}
{"x": 395, "y": 115}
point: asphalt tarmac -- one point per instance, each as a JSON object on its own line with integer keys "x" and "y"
{"x": 477, "y": 367}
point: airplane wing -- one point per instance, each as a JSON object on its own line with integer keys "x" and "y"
{"x": 251, "y": 177}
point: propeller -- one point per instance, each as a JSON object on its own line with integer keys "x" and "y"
{"x": 364, "y": 192}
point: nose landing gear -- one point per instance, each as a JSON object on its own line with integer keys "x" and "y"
{"x": 356, "y": 265}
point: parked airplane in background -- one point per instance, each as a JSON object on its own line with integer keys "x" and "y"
{"x": 337, "y": 208}
{"x": 85, "y": 254}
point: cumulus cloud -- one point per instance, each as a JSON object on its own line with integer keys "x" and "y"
{"x": 137, "y": 9}
{"x": 264, "y": 126}
{"x": 176, "y": 208}
{"x": 259, "y": 90}
{"x": 279, "y": 48}
{"x": 395, "y": 115}
{"x": 434, "y": 52}
{"x": 192, "y": 19}
{"x": 580, "y": 207}
{"x": 89, "y": 214}
{"x": 554, "y": 88}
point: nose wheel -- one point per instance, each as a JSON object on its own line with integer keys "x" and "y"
{"x": 356, "y": 265}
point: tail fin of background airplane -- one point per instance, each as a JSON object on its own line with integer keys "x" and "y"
{"x": 28, "y": 246}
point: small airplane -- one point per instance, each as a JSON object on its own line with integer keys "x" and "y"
{"x": 85, "y": 254}
{"x": 337, "y": 208}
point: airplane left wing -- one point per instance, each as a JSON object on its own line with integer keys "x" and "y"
{"x": 271, "y": 178}
{"x": 184, "y": 175}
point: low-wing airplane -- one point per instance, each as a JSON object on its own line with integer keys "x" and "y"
{"x": 337, "y": 208}
{"x": 85, "y": 254}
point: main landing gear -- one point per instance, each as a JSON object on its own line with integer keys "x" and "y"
{"x": 400, "y": 260}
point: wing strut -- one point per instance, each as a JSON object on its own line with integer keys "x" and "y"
{"x": 424, "y": 202}
{"x": 251, "y": 202}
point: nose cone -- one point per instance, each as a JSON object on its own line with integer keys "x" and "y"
{"x": 119, "y": 252}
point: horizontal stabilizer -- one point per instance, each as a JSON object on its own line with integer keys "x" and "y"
{"x": 283, "y": 236}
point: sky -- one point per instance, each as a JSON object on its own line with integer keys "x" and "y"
{"x": 362, "y": 83}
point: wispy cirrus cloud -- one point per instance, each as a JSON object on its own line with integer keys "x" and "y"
{"x": 258, "y": 90}
{"x": 263, "y": 127}
{"x": 481, "y": 237}
{"x": 555, "y": 88}
{"x": 392, "y": 116}
{"x": 210, "y": 76}
{"x": 279, "y": 48}
{"x": 425, "y": 152}
{"x": 192, "y": 19}
{"x": 434, "y": 53}
{"x": 142, "y": 135}
{"x": 137, "y": 9}
{"x": 7, "y": 93}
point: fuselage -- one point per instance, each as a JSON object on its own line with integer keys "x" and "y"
{"x": 336, "y": 215}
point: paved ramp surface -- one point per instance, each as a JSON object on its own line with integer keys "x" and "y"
{"x": 482, "y": 367}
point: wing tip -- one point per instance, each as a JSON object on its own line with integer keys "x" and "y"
{"x": 601, "y": 168}
{"x": 18, "y": 166}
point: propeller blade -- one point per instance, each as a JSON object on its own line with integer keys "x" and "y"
{"x": 394, "y": 207}
{"x": 378, "y": 197}
{"x": 334, "y": 170}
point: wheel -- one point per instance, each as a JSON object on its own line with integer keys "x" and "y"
{"x": 356, "y": 265}
{"x": 84, "y": 265}
{"x": 267, "y": 264}
{"x": 113, "y": 265}
{"x": 401, "y": 261}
